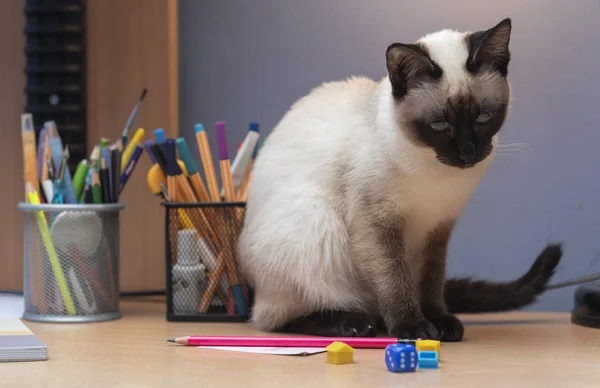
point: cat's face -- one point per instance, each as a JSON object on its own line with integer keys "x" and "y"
{"x": 451, "y": 91}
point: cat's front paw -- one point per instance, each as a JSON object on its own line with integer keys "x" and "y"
{"x": 449, "y": 328}
{"x": 412, "y": 330}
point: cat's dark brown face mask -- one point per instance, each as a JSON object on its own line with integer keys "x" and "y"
{"x": 457, "y": 123}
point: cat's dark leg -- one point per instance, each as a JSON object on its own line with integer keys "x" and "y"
{"x": 377, "y": 244}
{"x": 433, "y": 276}
{"x": 332, "y": 324}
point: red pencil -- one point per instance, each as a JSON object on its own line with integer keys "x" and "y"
{"x": 315, "y": 342}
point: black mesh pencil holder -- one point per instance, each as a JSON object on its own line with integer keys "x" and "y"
{"x": 204, "y": 283}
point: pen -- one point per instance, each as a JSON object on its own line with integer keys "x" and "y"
{"x": 207, "y": 162}
{"x": 131, "y": 147}
{"x": 128, "y": 170}
{"x": 195, "y": 179}
{"x": 283, "y": 341}
{"x": 236, "y": 285}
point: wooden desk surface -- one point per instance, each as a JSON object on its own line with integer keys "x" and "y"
{"x": 503, "y": 350}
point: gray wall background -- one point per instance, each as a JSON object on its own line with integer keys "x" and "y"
{"x": 249, "y": 60}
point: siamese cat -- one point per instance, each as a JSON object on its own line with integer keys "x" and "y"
{"x": 356, "y": 191}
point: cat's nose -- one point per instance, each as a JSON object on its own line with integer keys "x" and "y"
{"x": 467, "y": 152}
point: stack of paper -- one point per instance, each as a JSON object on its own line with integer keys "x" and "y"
{"x": 18, "y": 343}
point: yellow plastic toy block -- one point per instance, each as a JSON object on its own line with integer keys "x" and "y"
{"x": 339, "y": 353}
{"x": 430, "y": 345}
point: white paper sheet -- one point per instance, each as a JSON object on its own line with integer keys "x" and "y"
{"x": 11, "y": 306}
{"x": 268, "y": 350}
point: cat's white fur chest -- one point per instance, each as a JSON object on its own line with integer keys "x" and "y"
{"x": 432, "y": 199}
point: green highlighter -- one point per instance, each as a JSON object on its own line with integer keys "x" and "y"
{"x": 79, "y": 177}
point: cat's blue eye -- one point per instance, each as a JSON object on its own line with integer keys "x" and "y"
{"x": 439, "y": 126}
{"x": 483, "y": 117}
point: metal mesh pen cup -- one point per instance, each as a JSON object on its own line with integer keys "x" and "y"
{"x": 204, "y": 283}
{"x": 71, "y": 267}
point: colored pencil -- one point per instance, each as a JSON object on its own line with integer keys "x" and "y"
{"x": 207, "y": 163}
{"x": 287, "y": 341}
{"x": 29, "y": 152}
{"x": 96, "y": 188}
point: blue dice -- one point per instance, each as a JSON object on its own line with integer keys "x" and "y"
{"x": 428, "y": 359}
{"x": 401, "y": 358}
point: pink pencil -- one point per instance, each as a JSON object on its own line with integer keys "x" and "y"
{"x": 315, "y": 342}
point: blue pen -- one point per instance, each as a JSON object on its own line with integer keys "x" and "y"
{"x": 135, "y": 156}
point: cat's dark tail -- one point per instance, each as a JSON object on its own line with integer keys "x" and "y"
{"x": 470, "y": 296}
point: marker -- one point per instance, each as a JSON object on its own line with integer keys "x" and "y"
{"x": 284, "y": 341}
{"x": 242, "y": 194}
{"x": 137, "y": 138}
{"x": 243, "y": 157}
{"x": 128, "y": 170}
{"x": 159, "y": 135}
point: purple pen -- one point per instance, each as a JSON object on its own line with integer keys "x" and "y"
{"x": 148, "y": 147}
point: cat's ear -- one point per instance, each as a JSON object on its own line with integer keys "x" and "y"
{"x": 490, "y": 48}
{"x": 409, "y": 65}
